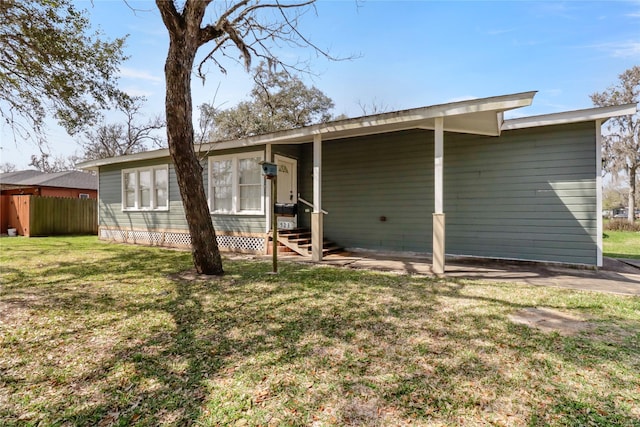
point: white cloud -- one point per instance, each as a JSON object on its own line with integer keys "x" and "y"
{"x": 131, "y": 73}
{"x": 627, "y": 49}
{"x": 499, "y": 32}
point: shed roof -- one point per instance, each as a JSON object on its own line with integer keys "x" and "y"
{"x": 482, "y": 116}
{"x": 65, "y": 179}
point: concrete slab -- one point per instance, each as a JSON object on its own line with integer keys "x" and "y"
{"x": 614, "y": 277}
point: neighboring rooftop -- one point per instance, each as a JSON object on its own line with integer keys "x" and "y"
{"x": 34, "y": 178}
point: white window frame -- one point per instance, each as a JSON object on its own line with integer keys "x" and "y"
{"x": 152, "y": 189}
{"x": 235, "y": 184}
{"x": 83, "y": 196}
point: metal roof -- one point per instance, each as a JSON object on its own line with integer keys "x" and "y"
{"x": 65, "y": 179}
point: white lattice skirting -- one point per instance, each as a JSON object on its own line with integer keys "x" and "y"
{"x": 233, "y": 243}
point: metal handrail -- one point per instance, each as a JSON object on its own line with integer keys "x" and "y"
{"x": 311, "y": 205}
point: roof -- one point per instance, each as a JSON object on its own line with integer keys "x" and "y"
{"x": 482, "y": 116}
{"x": 576, "y": 116}
{"x": 65, "y": 179}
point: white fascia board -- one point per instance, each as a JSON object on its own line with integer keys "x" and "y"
{"x": 145, "y": 155}
{"x": 396, "y": 120}
{"x": 590, "y": 114}
{"x": 366, "y": 125}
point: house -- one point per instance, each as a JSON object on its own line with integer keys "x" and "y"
{"x": 74, "y": 184}
{"x": 454, "y": 178}
{"x": 18, "y": 210}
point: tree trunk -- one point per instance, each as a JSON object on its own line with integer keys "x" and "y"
{"x": 204, "y": 247}
{"x": 631, "y": 214}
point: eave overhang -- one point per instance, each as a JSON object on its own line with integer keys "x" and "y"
{"x": 576, "y": 116}
{"x": 483, "y": 116}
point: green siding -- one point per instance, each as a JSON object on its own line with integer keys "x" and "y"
{"x": 111, "y": 214}
{"x": 388, "y": 175}
{"x": 528, "y": 194}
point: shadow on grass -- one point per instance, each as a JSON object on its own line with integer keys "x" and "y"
{"x": 367, "y": 342}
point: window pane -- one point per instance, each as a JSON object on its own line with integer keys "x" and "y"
{"x": 130, "y": 189}
{"x": 145, "y": 189}
{"x": 249, "y": 171}
{"x": 250, "y": 184}
{"x": 221, "y": 184}
{"x": 222, "y": 199}
{"x": 250, "y": 197}
{"x": 162, "y": 188}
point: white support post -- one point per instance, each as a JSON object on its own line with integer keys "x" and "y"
{"x": 599, "y": 222}
{"x": 268, "y": 201}
{"x": 316, "y": 215}
{"x": 438, "y": 193}
{"x": 438, "y": 165}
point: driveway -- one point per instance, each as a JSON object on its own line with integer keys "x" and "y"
{"x": 614, "y": 277}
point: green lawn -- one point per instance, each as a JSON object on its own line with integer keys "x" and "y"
{"x": 101, "y": 334}
{"x": 621, "y": 244}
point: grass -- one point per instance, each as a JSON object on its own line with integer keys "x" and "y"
{"x": 621, "y": 244}
{"x": 101, "y": 334}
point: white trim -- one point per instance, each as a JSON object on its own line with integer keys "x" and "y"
{"x": 599, "y": 221}
{"x": 235, "y": 183}
{"x": 152, "y": 187}
{"x": 586, "y": 115}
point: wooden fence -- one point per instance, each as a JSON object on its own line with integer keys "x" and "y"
{"x": 48, "y": 216}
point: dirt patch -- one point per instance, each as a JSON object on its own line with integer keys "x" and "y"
{"x": 549, "y": 320}
{"x": 193, "y": 276}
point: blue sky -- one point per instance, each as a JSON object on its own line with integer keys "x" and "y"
{"x": 407, "y": 54}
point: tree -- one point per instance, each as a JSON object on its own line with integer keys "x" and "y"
{"x": 7, "y": 167}
{"x": 129, "y": 137}
{"x": 50, "y": 64}
{"x": 46, "y": 163}
{"x": 621, "y": 147}
{"x": 243, "y": 25}
{"x": 613, "y": 196}
{"x": 278, "y": 101}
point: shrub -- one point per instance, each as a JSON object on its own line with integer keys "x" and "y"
{"x": 621, "y": 224}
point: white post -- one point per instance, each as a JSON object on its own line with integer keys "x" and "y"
{"x": 438, "y": 192}
{"x": 438, "y": 165}
{"x": 316, "y": 215}
{"x": 599, "y": 224}
{"x": 268, "y": 201}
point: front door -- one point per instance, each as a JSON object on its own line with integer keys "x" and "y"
{"x": 287, "y": 188}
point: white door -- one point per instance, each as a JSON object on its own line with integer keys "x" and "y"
{"x": 287, "y": 188}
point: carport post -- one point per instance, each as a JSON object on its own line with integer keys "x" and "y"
{"x": 316, "y": 215}
{"x": 438, "y": 192}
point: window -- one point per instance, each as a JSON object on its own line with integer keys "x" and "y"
{"x": 236, "y": 185}
{"x": 83, "y": 195}
{"x": 145, "y": 188}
